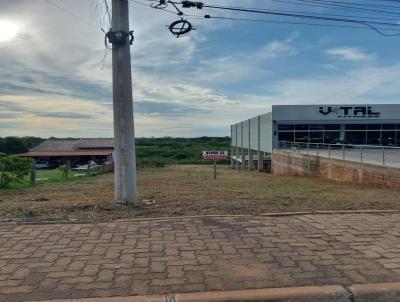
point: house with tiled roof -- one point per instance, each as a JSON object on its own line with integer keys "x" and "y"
{"x": 75, "y": 151}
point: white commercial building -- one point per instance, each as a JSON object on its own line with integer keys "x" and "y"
{"x": 320, "y": 124}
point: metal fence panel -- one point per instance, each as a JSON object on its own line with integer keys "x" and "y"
{"x": 370, "y": 154}
{"x": 239, "y": 135}
{"x": 254, "y": 133}
{"x": 233, "y": 135}
{"x": 245, "y": 134}
{"x": 266, "y": 132}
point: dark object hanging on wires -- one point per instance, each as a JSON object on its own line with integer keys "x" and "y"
{"x": 180, "y": 28}
{"x": 120, "y": 37}
{"x": 160, "y": 5}
{"x": 189, "y": 4}
{"x": 180, "y": 13}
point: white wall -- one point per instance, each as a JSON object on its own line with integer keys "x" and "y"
{"x": 239, "y": 135}
{"x": 266, "y": 131}
{"x": 254, "y": 133}
{"x": 233, "y": 135}
{"x": 245, "y": 134}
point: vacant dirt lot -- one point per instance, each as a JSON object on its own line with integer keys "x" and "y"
{"x": 190, "y": 190}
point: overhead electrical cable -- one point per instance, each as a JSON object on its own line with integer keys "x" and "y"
{"x": 108, "y": 11}
{"x": 336, "y": 15}
{"x": 295, "y": 23}
{"x": 368, "y": 23}
{"x": 393, "y": 19}
{"x": 148, "y": 5}
{"x": 65, "y": 11}
{"x": 346, "y": 7}
{"x": 379, "y": 24}
{"x": 325, "y": 6}
{"x": 352, "y": 3}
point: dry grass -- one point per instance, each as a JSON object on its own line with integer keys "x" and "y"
{"x": 190, "y": 190}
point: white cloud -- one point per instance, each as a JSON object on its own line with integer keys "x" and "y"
{"x": 352, "y": 54}
{"x": 360, "y": 85}
{"x": 278, "y": 48}
{"x": 245, "y": 64}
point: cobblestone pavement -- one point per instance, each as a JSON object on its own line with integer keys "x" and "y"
{"x": 196, "y": 254}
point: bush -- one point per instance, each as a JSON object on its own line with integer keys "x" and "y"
{"x": 13, "y": 169}
{"x": 181, "y": 156}
{"x": 64, "y": 169}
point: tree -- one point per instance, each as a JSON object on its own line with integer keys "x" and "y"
{"x": 13, "y": 168}
{"x": 13, "y": 145}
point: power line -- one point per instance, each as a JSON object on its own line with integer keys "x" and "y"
{"x": 65, "y": 11}
{"x": 358, "y": 4}
{"x": 148, "y": 5}
{"x": 336, "y": 7}
{"x": 294, "y": 23}
{"x": 367, "y": 23}
{"x": 302, "y": 12}
{"x": 289, "y": 14}
{"x": 108, "y": 12}
{"x": 335, "y": 15}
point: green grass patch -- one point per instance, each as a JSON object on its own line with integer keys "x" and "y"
{"x": 52, "y": 176}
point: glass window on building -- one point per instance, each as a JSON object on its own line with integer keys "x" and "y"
{"x": 332, "y": 127}
{"x": 388, "y": 138}
{"x": 356, "y": 127}
{"x": 388, "y": 126}
{"x": 286, "y": 136}
{"x": 331, "y": 137}
{"x": 355, "y": 137}
{"x": 301, "y": 127}
{"x": 373, "y": 137}
{"x": 301, "y": 137}
{"x": 316, "y": 127}
{"x": 374, "y": 127}
{"x": 316, "y": 137}
{"x": 285, "y": 127}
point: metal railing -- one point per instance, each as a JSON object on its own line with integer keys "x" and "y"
{"x": 371, "y": 154}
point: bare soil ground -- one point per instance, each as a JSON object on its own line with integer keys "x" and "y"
{"x": 190, "y": 190}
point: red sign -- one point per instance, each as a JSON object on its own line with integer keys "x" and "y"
{"x": 215, "y": 155}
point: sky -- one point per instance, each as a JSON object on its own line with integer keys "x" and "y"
{"x": 55, "y": 74}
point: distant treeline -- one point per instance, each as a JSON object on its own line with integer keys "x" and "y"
{"x": 15, "y": 145}
{"x": 169, "y": 150}
{"x": 158, "y": 151}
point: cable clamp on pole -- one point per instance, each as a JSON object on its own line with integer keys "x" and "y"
{"x": 120, "y": 37}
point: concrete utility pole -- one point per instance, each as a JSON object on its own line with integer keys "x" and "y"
{"x": 124, "y": 134}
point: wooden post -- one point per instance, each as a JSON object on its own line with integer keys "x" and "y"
{"x": 124, "y": 134}
{"x": 215, "y": 169}
{"x": 33, "y": 173}
{"x": 67, "y": 169}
